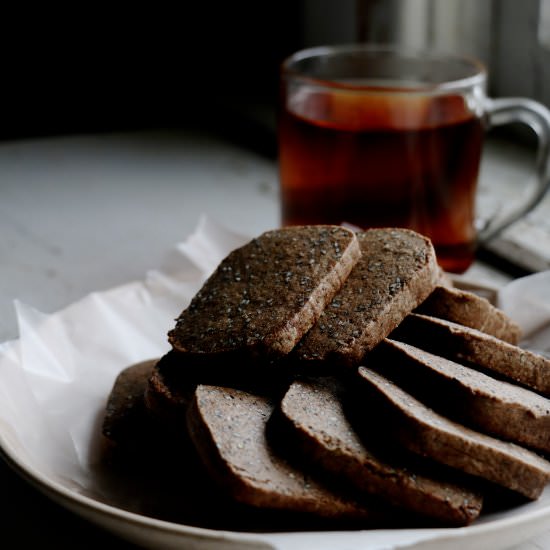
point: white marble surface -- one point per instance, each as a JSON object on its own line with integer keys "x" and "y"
{"x": 90, "y": 212}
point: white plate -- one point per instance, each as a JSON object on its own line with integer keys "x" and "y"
{"x": 54, "y": 381}
{"x": 495, "y": 532}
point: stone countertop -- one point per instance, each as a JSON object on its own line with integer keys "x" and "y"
{"x": 90, "y": 212}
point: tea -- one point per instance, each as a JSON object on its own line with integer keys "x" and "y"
{"x": 383, "y": 160}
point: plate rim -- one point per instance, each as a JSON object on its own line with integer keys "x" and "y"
{"x": 67, "y": 497}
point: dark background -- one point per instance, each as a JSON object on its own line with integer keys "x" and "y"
{"x": 107, "y": 69}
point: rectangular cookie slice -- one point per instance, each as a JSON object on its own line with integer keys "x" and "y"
{"x": 492, "y": 406}
{"x": 228, "y": 428}
{"x": 476, "y": 349}
{"x": 469, "y": 309}
{"x": 423, "y": 431}
{"x": 173, "y": 380}
{"x": 265, "y": 295}
{"x": 152, "y": 469}
{"x": 397, "y": 271}
{"x": 313, "y": 420}
{"x": 125, "y": 414}
{"x": 167, "y": 399}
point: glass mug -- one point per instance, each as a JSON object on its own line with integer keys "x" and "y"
{"x": 377, "y": 137}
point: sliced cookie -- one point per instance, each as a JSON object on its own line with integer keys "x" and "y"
{"x": 228, "y": 428}
{"x": 423, "y": 431}
{"x": 164, "y": 398}
{"x": 396, "y": 272}
{"x": 266, "y": 295}
{"x": 493, "y": 406}
{"x": 476, "y": 349}
{"x": 312, "y": 415}
{"x": 470, "y": 310}
{"x": 125, "y": 413}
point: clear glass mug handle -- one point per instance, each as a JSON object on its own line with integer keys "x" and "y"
{"x": 537, "y": 117}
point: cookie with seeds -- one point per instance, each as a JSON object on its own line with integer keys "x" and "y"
{"x": 470, "y": 310}
{"x": 477, "y": 350}
{"x": 265, "y": 295}
{"x": 489, "y": 405}
{"x": 228, "y": 428}
{"x": 313, "y": 416}
{"x": 397, "y": 271}
{"x": 173, "y": 380}
{"x": 166, "y": 399}
{"x": 423, "y": 431}
{"x": 125, "y": 413}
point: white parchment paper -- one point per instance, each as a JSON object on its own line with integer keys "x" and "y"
{"x": 54, "y": 380}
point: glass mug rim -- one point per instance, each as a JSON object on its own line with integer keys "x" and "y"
{"x": 475, "y": 72}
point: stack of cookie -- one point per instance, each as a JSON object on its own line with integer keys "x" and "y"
{"x": 338, "y": 375}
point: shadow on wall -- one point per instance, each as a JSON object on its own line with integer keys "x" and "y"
{"x": 215, "y": 65}
{"x": 103, "y": 69}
